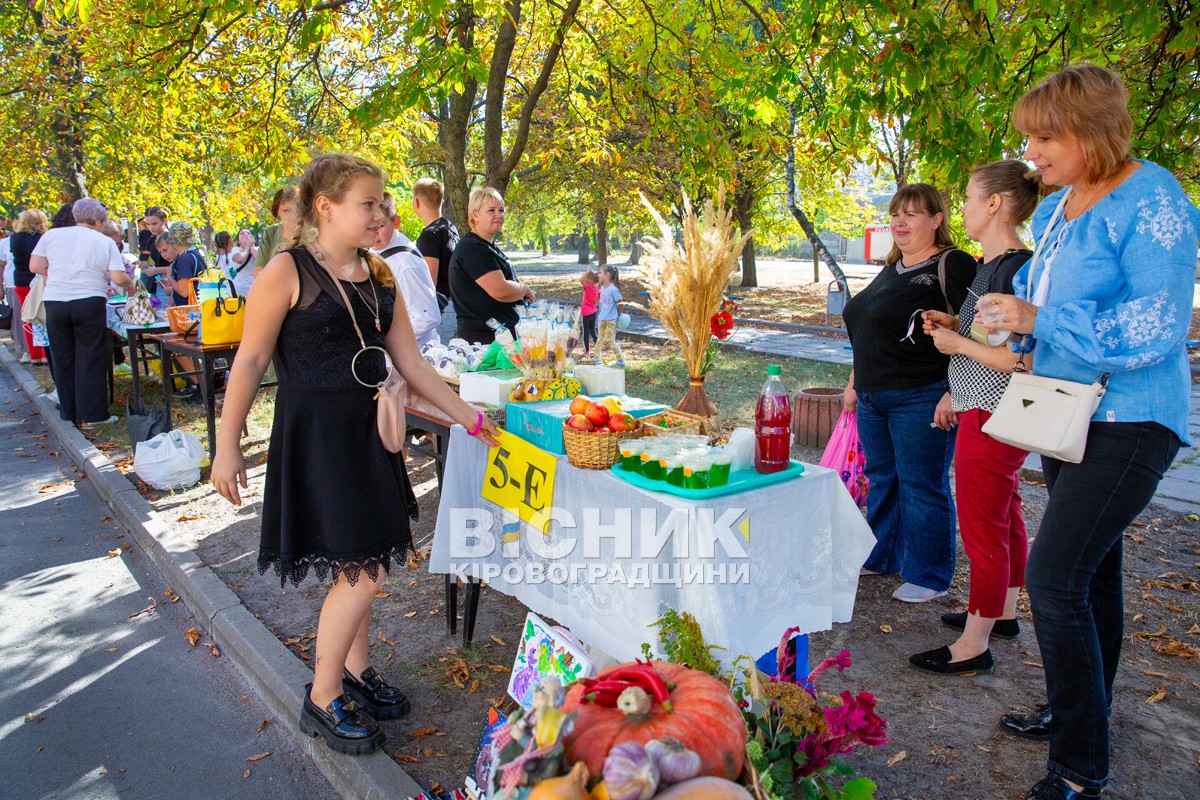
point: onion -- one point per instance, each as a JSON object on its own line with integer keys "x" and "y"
{"x": 630, "y": 772}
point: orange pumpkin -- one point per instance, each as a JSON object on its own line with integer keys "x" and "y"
{"x": 701, "y": 714}
{"x": 705, "y": 789}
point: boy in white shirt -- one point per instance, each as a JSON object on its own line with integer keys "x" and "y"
{"x": 411, "y": 273}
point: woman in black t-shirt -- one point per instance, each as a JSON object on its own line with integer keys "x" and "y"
{"x": 482, "y": 283}
{"x": 899, "y": 377}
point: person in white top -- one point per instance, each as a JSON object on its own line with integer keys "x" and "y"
{"x": 79, "y": 262}
{"x": 8, "y": 283}
{"x": 243, "y": 255}
{"x": 412, "y": 275}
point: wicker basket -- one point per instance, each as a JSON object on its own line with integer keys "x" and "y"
{"x": 590, "y": 450}
{"x": 177, "y": 318}
{"x": 688, "y": 423}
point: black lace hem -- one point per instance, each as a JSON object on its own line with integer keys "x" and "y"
{"x": 325, "y": 565}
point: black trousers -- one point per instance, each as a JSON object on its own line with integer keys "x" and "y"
{"x": 1074, "y": 582}
{"x": 77, "y": 338}
{"x": 590, "y": 336}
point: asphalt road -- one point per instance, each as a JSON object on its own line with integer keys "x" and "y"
{"x": 97, "y": 700}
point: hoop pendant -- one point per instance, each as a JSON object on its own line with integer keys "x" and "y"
{"x": 354, "y": 366}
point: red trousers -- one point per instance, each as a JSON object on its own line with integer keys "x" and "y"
{"x": 989, "y": 513}
{"x": 35, "y": 353}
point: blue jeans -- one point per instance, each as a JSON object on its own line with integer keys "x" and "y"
{"x": 909, "y": 507}
{"x": 1074, "y": 582}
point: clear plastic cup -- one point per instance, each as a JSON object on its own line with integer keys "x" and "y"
{"x": 696, "y": 473}
{"x": 631, "y": 455}
{"x": 718, "y": 473}
{"x": 672, "y": 469}
{"x": 651, "y": 466}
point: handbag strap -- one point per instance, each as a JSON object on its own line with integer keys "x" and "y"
{"x": 346, "y": 300}
{"x": 1062, "y": 204}
{"x": 941, "y": 269}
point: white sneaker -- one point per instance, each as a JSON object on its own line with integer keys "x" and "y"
{"x": 52, "y": 396}
{"x": 25, "y": 359}
{"x": 87, "y": 426}
{"x": 911, "y": 593}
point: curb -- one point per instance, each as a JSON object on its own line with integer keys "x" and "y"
{"x": 275, "y": 674}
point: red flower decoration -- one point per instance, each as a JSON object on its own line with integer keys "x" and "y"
{"x": 721, "y": 324}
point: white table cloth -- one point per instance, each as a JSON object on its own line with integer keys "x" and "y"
{"x": 747, "y": 566}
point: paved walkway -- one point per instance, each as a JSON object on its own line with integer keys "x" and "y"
{"x": 98, "y": 700}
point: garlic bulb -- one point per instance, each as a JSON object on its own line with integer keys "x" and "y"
{"x": 630, "y": 772}
{"x": 674, "y": 761}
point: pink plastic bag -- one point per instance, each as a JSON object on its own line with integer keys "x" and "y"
{"x": 844, "y": 456}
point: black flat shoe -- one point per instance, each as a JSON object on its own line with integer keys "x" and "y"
{"x": 1028, "y": 724}
{"x": 345, "y": 727}
{"x": 374, "y": 695}
{"x": 1053, "y": 787}
{"x": 1003, "y": 629}
{"x": 938, "y": 662}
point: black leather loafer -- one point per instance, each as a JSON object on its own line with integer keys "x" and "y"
{"x": 374, "y": 695}
{"x": 1003, "y": 629}
{"x": 345, "y": 727}
{"x": 1053, "y": 787}
{"x": 1028, "y": 724}
{"x": 938, "y": 662}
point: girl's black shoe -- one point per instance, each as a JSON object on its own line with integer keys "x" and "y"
{"x": 1003, "y": 629}
{"x": 374, "y": 695}
{"x": 938, "y": 662}
{"x": 1053, "y": 787}
{"x": 345, "y": 727}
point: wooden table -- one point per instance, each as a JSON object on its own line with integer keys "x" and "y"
{"x": 206, "y": 355}
{"x": 133, "y": 335}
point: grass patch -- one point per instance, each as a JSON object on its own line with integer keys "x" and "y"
{"x": 734, "y": 383}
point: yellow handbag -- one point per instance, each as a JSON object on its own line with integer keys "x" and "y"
{"x": 222, "y": 319}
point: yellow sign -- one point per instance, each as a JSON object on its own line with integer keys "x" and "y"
{"x": 520, "y": 476}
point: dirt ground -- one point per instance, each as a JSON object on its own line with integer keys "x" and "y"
{"x": 944, "y": 740}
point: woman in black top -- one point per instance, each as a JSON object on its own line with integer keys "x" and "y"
{"x": 482, "y": 283}
{"x": 29, "y": 227}
{"x": 899, "y": 376}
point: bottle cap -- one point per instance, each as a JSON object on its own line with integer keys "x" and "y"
{"x": 774, "y": 369}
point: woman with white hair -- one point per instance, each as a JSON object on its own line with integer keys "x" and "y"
{"x": 79, "y": 262}
{"x": 482, "y": 283}
{"x": 188, "y": 264}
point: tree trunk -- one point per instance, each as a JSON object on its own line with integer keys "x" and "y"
{"x": 454, "y": 129}
{"x": 584, "y": 250}
{"x": 602, "y": 236}
{"x": 635, "y": 247}
{"x": 819, "y": 248}
{"x": 743, "y": 204}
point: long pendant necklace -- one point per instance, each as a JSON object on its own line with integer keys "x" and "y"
{"x": 323, "y": 256}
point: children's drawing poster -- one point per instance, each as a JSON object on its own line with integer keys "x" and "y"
{"x": 482, "y": 764}
{"x": 544, "y": 652}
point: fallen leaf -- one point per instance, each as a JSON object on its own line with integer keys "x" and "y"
{"x": 885, "y": 628}
{"x": 475, "y": 685}
{"x": 408, "y": 759}
{"x": 1195, "y": 629}
{"x": 429, "y": 752}
{"x": 114, "y": 553}
{"x": 192, "y": 635}
{"x": 106, "y": 519}
{"x": 110, "y": 649}
{"x": 245, "y": 774}
{"x": 499, "y": 641}
{"x": 499, "y": 668}
{"x": 412, "y": 562}
{"x": 412, "y": 584}
{"x": 384, "y": 639}
{"x": 410, "y": 615}
{"x": 58, "y": 538}
{"x": 187, "y": 517}
{"x": 31, "y": 717}
{"x": 1158, "y": 695}
{"x": 263, "y": 724}
{"x": 126, "y": 546}
{"x": 896, "y": 759}
{"x": 259, "y": 757}
{"x": 421, "y": 733}
{"x": 213, "y": 649}
{"x": 1034, "y": 664}
{"x": 102, "y": 772}
{"x": 169, "y": 592}
{"x": 382, "y": 593}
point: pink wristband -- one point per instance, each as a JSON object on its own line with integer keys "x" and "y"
{"x": 478, "y": 424}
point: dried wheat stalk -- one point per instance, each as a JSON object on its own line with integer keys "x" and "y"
{"x": 687, "y": 282}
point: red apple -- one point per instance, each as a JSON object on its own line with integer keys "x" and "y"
{"x": 580, "y": 423}
{"x": 622, "y": 421}
{"x": 580, "y": 404}
{"x": 596, "y": 414}
{"x": 603, "y": 429}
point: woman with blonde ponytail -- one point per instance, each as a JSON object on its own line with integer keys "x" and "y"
{"x": 335, "y": 500}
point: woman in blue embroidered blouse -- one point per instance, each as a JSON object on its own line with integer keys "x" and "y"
{"x": 1112, "y": 294}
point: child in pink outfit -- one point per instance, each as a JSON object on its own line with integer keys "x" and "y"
{"x": 589, "y": 308}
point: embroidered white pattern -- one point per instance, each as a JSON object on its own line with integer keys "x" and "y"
{"x": 1138, "y": 323}
{"x": 1166, "y": 225}
{"x": 1112, "y": 230}
{"x": 928, "y": 279}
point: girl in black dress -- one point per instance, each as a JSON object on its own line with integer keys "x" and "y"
{"x": 335, "y": 499}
